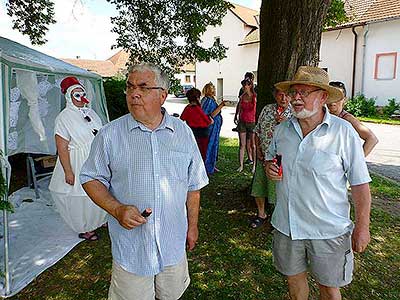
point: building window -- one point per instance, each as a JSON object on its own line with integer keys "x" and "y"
{"x": 194, "y": 79}
{"x": 385, "y": 66}
{"x": 187, "y": 78}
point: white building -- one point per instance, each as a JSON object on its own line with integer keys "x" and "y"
{"x": 188, "y": 75}
{"x": 362, "y": 53}
{"x": 227, "y": 74}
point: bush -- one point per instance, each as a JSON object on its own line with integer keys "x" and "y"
{"x": 116, "y": 103}
{"x": 389, "y": 109}
{"x": 360, "y": 106}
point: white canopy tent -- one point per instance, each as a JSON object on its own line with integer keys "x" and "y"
{"x": 31, "y": 100}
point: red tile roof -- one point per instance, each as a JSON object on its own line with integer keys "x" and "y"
{"x": 358, "y": 11}
{"x": 247, "y": 15}
{"x": 105, "y": 68}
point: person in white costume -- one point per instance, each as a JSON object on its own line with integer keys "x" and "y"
{"x": 75, "y": 129}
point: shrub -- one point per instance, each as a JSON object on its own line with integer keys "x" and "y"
{"x": 116, "y": 103}
{"x": 389, "y": 109}
{"x": 360, "y": 106}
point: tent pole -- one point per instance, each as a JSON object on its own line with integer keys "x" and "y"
{"x": 7, "y": 283}
{"x": 6, "y": 257}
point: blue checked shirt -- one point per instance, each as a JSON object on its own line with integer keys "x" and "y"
{"x": 152, "y": 169}
{"x": 312, "y": 200}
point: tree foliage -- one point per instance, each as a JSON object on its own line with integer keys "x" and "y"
{"x": 336, "y": 14}
{"x": 31, "y": 18}
{"x": 167, "y": 32}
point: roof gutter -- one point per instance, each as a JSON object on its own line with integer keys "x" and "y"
{"x": 363, "y": 60}
{"x": 363, "y": 23}
{"x": 353, "y": 76}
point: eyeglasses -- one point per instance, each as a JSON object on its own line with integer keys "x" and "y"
{"x": 78, "y": 95}
{"x": 142, "y": 88}
{"x": 303, "y": 94}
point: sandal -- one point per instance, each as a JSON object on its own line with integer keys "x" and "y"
{"x": 258, "y": 222}
{"x": 91, "y": 237}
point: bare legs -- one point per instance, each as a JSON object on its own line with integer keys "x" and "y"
{"x": 247, "y": 142}
{"x": 253, "y": 150}
{"x": 298, "y": 286}
{"x": 298, "y": 289}
{"x": 242, "y": 147}
{"x": 260, "y": 202}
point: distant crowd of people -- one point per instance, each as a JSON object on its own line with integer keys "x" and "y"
{"x": 145, "y": 170}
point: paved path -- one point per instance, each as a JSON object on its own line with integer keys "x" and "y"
{"x": 384, "y": 159}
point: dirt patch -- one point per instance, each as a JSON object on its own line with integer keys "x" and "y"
{"x": 390, "y": 206}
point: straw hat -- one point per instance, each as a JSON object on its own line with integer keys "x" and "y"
{"x": 315, "y": 77}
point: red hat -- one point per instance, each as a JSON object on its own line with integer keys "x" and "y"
{"x": 68, "y": 82}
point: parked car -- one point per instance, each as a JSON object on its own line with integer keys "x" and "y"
{"x": 183, "y": 90}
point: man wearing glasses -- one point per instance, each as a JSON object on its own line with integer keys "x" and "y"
{"x": 319, "y": 154}
{"x": 149, "y": 162}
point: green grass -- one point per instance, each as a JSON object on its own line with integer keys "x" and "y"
{"x": 384, "y": 188}
{"x": 379, "y": 120}
{"x": 231, "y": 261}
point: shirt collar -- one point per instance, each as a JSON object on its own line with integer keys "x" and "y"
{"x": 167, "y": 122}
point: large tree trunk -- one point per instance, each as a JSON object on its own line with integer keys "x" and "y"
{"x": 290, "y": 36}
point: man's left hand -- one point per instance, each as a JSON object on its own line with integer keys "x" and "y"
{"x": 360, "y": 239}
{"x": 191, "y": 238}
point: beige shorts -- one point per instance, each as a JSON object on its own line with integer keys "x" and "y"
{"x": 167, "y": 285}
{"x": 330, "y": 261}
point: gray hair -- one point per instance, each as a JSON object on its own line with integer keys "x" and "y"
{"x": 161, "y": 78}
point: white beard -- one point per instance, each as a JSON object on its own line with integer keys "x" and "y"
{"x": 305, "y": 113}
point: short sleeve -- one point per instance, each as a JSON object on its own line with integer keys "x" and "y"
{"x": 354, "y": 160}
{"x": 61, "y": 129}
{"x": 197, "y": 172}
{"x": 97, "y": 165}
{"x": 261, "y": 118}
{"x": 183, "y": 116}
{"x": 271, "y": 151}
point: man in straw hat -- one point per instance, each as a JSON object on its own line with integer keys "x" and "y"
{"x": 319, "y": 154}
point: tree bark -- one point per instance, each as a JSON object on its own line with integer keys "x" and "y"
{"x": 290, "y": 36}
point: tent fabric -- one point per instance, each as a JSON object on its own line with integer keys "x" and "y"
{"x": 31, "y": 99}
{"x": 38, "y": 236}
{"x": 27, "y": 84}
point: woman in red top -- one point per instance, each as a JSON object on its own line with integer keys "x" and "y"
{"x": 197, "y": 120}
{"x": 246, "y": 122}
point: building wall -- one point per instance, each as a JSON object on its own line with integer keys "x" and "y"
{"x": 239, "y": 59}
{"x": 187, "y": 78}
{"x": 382, "y": 38}
{"x": 336, "y": 54}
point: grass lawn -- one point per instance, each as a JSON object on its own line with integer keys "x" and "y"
{"x": 379, "y": 120}
{"x": 232, "y": 261}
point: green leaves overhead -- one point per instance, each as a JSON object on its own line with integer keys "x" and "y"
{"x": 32, "y": 18}
{"x": 167, "y": 32}
{"x": 336, "y": 14}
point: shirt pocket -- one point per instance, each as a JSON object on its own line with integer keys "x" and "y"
{"x": 326, "y": 164}
{"x": 179, "y": 162}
